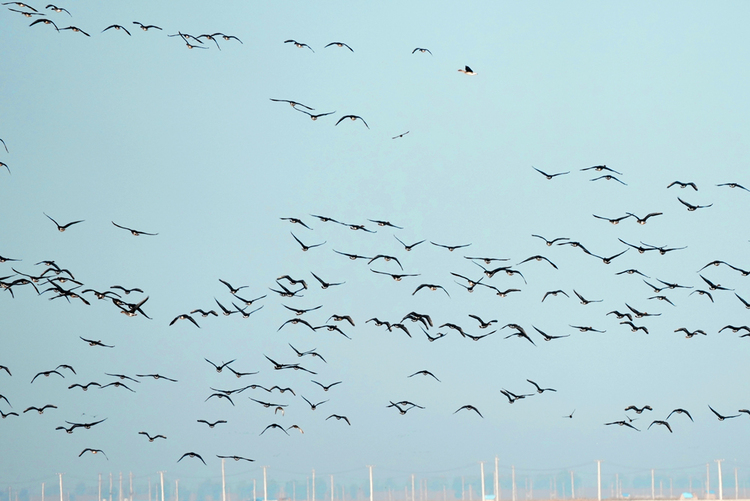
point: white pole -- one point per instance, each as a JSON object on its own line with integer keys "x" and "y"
{"x": 496, "y": 485}
{"x": 119, "y": 495}
{"x": 131, "y": 486}
{"x": 721, "y": 491}
{"x": 481, "y": 476}
{"x": 599, "y": 479}
{"x": 617, "y": 483}
{"x": 61, "y": 490}
{"x": 572, "y": 486}
{"x": 110, "y": 486}
{"x": 513, "y": 480}
{"x": 463, "y": 489}
{"x": 412, "y": 487}
{"x": 708, "y": 482}
{"x": 371, "y": 492}
{"x": 149, "y": 490}
{"x": 265, "y": 485}
{"x": 223, "y": 483}
{"x": 255, "y": 497}
{"x": 652, "y": 483}
{"x": 161, "y": 475}
{"x": 313, "y": 484}
{"x": 176, "y": 490}
{"x": 735, "y": 470}
{"x": 736, "y": 486}
{"x": 331, "y": 487}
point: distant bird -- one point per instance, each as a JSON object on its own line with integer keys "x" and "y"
{"x": 613, "y": 220}
{"x": 422, "y": 50}
{"x": 733, "y": 185}
{"x": 339, "y": 44}
{"x": 185, "y": 316}
{"x": 46, "y": 374}
{"x": 292, "y": 103}
{"x": 547, "y": 337}
{"x": 554, "y": 293}
{"x": 713, "y": 286}
{"x": 5, "y": 368}
{"x": 4, "y": 415}
{"x": 236, "y": 458}
{"x": 156, "y": 376}
{"x": 204, "y": 313}
{"x": 323, "y": 283}
{"x": 408, "y": 247}
{"x": 570, "y": 416}
{"x": 274, "y": 425}
{"x": 150, "y": 438}
{"x": 92, "y": 342}
{"x": 232, "y": 290}
{"x": 425, "y": 373}
{"x": 550, "y": 176}
{"x": 538, "y": 258}
{"x": 608, "y": 177}
{"x": 93, "y": 451}
{"x": 84, "y": 387}
{"x": 638, "y": 410}
{"x": 1, "y": 141}
{"x": 352, "y": 117}
{"x": 135, "y": 233}
{"x": 219, "y": 367}
{"x": 220, "y": 395}
{"x": 550, "y": 242}
{"x": 469, "y": 408}
{"x": 622, "y": 423}
{"x": 211, "y": 425}
{"x": 21, "y": 5}
{"x": 585, "y": 301}
{"x": 689, "y": 334}
{"x": 681, "y": 411}
{"x": 315, "y": 116}
{"x": 305, "y": 248}
{"x": 41, "y": 410}
{"x": 386, "y": 258}
{"x": 643, "y": 220}
{"x": 75, "y": 29}
{"x": 117, "y": 27}
{"x": 451, "y": 248}
{"x": 746, "y": 303}
{"x": 312, "y": 405}
{"x": 721, "y": 418}
{"x": 298, "y": 44}
{"x": 146, "y": 27}
{"x": 467, "y": 71}
{"x": 191, "y": 455}
{"x": 44, "y": 21}
{"x": 683, "y": 185}
{"x": 540, "y": 389}
{"x": 63, "y": 227}
{"x": 294, "y": 220}
{"x": 326, "y": 387}
{"x": 691, "y": 207}
{"x": 482, "y": 323}
{"x": 339, "y": 418}
{"x": 432, "y": 287}
{"x": 600, "y": 168}
{"x": 400, "y": 135}
{"x": 584, "y": 328}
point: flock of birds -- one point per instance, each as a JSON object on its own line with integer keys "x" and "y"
{"x": 52, "y": 280}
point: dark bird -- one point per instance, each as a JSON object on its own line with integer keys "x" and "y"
{"x": 91, "y": 342}
{"x": 641, "y": 314}
{"x": 681, "y": 411}
{"x": 3, "y": 397}
{"x": 220, "y": 395}
{"x": 538, "y": 258}
{"x": 227, "y": 37}
{"x": 736, "y": 329}
{"x": 185, "y": 316}
{"x": 46, "y": 374}
{"x": 75, "y": 29}
{"x": 339, "y": 418}
{"x": 733, "y": 185}
{"x": 746, "y": 303}
{"x": 298, "y": 44}
{"x": 44, "y": 21}
{"x": 296, "y": 321}
{"x": 386, "y": 258}
{"x": 622, "y": 423}
{"x": 146, "y": 28}
{"x": 236, "y": 458}
{"x": 118, "y": 384}
{"x": 689, "y": 334}
{"x": 601, "y": 168}
{"x": 683, "y": 185}
{"x": 585, "y": 301}
{"x": 643, "y": 220}
{"x": 422, "y": 50}
{"x": 469, "y": 408}
{"x": 93, "y": 451}
{"x": 122, "y": 376}
{"x": 323, "y": 283}
{"x": 294, "y": 220}
{"x": 702, "y": 293}
{"x": 233, "y": 290}
{"x": 547, "y": 337}
{"x": 219, "y": 367}
{"x": 156, "y": 376}
{"x": 425, "y": 373}
{"x": 351, "y": 256}
{"x": 520, "y": 332}
{"x": 408, "y": 247}
{"x": 84, "y": 387}
{"x": 554, "y": 293}
{"x": 482, "y": 323}
{"x": 135, "y": 233}
{"x": 117, "y": 27}
{"x": 352, "y": 117}
{"x": 191, "y": 455}
{"x": 211, "y": 425}
{"x": 467, "y": 71}
{"x": 301, "y": 311}
{"x": 315, "y": 117}
{"x": 633, "y": 327}
{"x": 21, "y": 5}
{"x": 585, "y": 328}
{"x": 721, "y": 418}
{"x": 550, "y": 242}
{"x": 549, "y": 176}
{"x": 150, "y": 438}
{"x": 40, "y": 410}
{"x": 662, "y": 298}
{"x": 631, "y": 271}
{"x": 713, "y": 286}
{"x": 274, "y": 425}
{"x": 451, "y": 248}
{"x": 63, "y": 227}
{"x": 540, "y": 389}
{"x": 305, "y": 248}
{"x": 223, "y": 309}
{"x": 326, "y": 387}
{"x": 312, "y": 405}
{"x": 394, "y": 276}
{"x": 205, "y": 313}
{"x": 614, "y": 220}
{"x": 691, "y": 207}
{"x": 385, "y": 223}
{"x": 570, "y": 416}
{"x": 240, "y": 374}
{"x": 5, "y": 368}
{"x": 432, "y": 287}
{"x": 339, "y": 44}
{"x": 637, "y": 410}
{"x": 608, "y": 177}
{"x": 293, "y": 104}
{"x": 341, "y": 318}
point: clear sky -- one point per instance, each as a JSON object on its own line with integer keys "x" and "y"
{"x": 141, "y": 131}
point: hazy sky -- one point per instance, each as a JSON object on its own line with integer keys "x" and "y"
{"x": 141, "y": 131}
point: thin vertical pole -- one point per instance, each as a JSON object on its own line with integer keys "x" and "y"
{"x": 331, "y": 487}
{"x": 161, "y": 476}
{"x": 131, "y": 486}
{"x": 721, "y": 490}
{"x": 61, "y": 490}
{"x": 463, "y": 489}
{"x": 100, "y": 488}
{"x": 670, "y": 488}
{"x": 110, "y": 486}
{"x": 617, "y": 483}
{"x": 177, "y": 490}
{"x": 255, "y": 497}
{"x": 223, "y": 483}
{"x": 149, "y": 489}
{"x": 599, "y": 479}
{"x": 572, "y": 486}
{"x": 735, "y": 470}
{"x": 513, "y": 480}
{"x": 736, "y": 486}
{"x": 496, "y": 483}
{"x": 371, "y": 492}
{"x": 652, "y": 483}
{"x": 265, "y": 485}
{"x": 708, "y": 482}
{"x": 481, "y": 476}
{"x": 119, "y": 495}
{"x": 313, "y": 485}
{"x": 412, "y": 487}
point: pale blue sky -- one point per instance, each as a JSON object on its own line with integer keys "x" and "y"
{"x": 186, "y": 143}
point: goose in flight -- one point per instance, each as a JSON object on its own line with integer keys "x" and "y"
{"x": 422, "y": 50}
{"x": 117, "y": 27}
{"x": 145, "y": 27}
{"x": 339, "y": 44}
{"x": 93, "y": 451}
{"x": 550, "y": 176}
{"x": 469, "y": 407}
{"x": 721, "y": 418}
{"x": 191, "y": 455}
{"x": 298, "y": 44}
{"x": 467, "y": 71}
{"x": 62, "y": 227}
{"x": 135, "y": 233}
{"x": 352, "y": 117}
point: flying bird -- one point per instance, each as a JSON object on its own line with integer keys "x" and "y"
{"x": 721, "y": 418}
{"x": 469, "y": 408}
{"x": 135, "y": 233}
{"x": 93, "y": 451}
{"x": 298, "y": 44}
{"x": 191, "y": 455}
{"x": 422, "y": 50}
{"x": 63, "y": 227}
{"x": 117, "y": 27}
{"x": 353, "y": 117}
{"x": 550, "y": 176}
{"x": 467, "y": 71}
{"x": 146, "y": 27}
{"x": 339, "y": 44}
